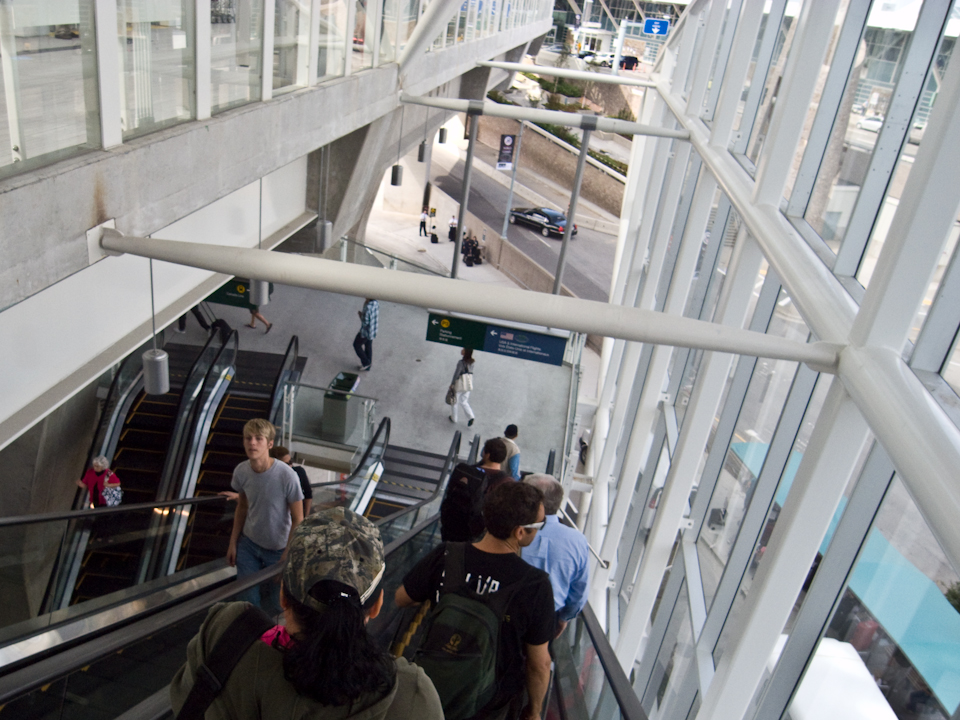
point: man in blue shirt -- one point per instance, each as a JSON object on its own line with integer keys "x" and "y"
{"x": 561, "y": 551}
{"x": 363, "y": 342}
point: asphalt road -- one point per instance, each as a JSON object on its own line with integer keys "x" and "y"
{"x": 589, "y": 265}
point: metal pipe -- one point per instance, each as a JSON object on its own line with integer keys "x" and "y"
{"x": 572, "y": 211}
{"x": 554, "y": 311}
{"x": 570, "y": 74}
{"x": 473, "y": 119}
{"x": 513, "y": 180}
{"x": 554, "y": 117}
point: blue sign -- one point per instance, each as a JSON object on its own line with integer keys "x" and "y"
{"x": 656, "y": 27}
{"x": 524, "y": 344}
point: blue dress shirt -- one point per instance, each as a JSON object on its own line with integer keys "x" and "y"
{"x": 563, "y": 553}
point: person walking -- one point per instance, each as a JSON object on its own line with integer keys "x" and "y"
{"x": 363, "y": 342}
{"x": 452, "y": 232}
{"x": 462, "y": 384}
{"x": 424, "y": 217}
{"x": 255, "y": 315}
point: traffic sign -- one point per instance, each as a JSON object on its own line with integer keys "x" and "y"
{"x": 656, "y": 27}
{"x": 512, "y": 342}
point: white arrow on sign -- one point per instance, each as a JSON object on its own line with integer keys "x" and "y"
{"x": 493, "y": 332}
{"x": 434, "y": 322}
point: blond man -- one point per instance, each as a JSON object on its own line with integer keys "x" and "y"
{"x": 269, "y": 508}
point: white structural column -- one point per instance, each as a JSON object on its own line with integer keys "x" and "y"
{"x": 821, "y": 479}
{"x": 11, "y": 82}
{"x": 731, "y": 90}
{"x": 269, "y": 37}
{"x": 202, "y": 45}
{"x": 786, "y": 127}
{"x": 706, "y": 48}
{"x": 108, "y": 72}
{"x": 698, "y": 423}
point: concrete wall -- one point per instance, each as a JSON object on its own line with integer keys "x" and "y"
{"x": 556, "y": 162}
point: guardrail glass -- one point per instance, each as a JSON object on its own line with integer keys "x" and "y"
{"x": 313, "y": 409}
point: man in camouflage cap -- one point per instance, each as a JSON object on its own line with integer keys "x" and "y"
{"x": 336, "y": 544}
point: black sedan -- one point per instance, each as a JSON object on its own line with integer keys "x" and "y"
{"x": 550, "y": 222}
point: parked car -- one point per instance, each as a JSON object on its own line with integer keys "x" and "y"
{"x": 601, "y": 59}
{"x": 629, "y": 62}
{"x": 872, "y": 124}
{"x": 916, "y": 132}
{"x": 549, "y": 222}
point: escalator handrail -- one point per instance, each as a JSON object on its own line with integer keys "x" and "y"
{"x": 293, "y": 351}
{"x": 630, "y": 707}
{"x": 97, "y": 512}
{"x": 50, "y": 669}
{"x": 474, "y": 450}
{"x": 383, "y": 427}
{"x": 185, "y": 411}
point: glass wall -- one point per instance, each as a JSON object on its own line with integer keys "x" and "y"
{"x": 236, "y": 52}
{"x": 364, "y": 35}
{"x": 334, "y": 42}
{"x": 49, "y": 107}
{"x": 157, "y": 73}
{"x": 291, "y": 42}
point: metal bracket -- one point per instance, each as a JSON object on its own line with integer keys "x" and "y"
{"x": 95, "y": 252}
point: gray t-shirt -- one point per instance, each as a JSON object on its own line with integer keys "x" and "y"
{"x": 269, "y": 495}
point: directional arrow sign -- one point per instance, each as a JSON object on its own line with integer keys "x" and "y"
{"x": 523, "y": 344}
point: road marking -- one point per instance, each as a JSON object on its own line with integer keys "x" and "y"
{"x": 544, "y": 241}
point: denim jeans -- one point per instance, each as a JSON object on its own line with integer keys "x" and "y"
{"x": 363, "y": 347}
{"x": 252, "y": 558}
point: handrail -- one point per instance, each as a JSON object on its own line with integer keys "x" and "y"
{"x": 365, "y": 494}
{"x": 395, "y": 257}
{"x": 630, "y": 707}
{"x": 276, "y": 395}
{"x": 97, "y": 512}
{"x": 335, "y": 391}
{"x": 474, "y": 454}
{"x": 551, "y": 460}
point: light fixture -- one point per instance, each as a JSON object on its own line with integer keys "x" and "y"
{"x": 156, "y": 362}
{"x": 442, "y": 135}
{"x": 396, "y": 174}
{"x": 422, "y": 152}
{"x": 259, "y": 289}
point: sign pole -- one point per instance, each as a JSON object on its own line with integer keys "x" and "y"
{"x": 588, "y": 128}
{"x": 513, "y": 180}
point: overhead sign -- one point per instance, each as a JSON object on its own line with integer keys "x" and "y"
{"x": 505, "y": 158}
{"x": 496, "y": 339}
{"x": 656, "y": 27}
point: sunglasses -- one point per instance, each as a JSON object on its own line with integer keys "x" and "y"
{"x": 534, "y": 526}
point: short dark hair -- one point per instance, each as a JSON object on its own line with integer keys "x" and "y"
{"x": 511, "y": 431}
{"x": 510, "y": 505}
{"x": 279, "y": 452}
{"x": 496, "y": 449}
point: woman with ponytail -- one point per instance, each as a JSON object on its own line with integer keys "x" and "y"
{"x": 320, "y": 663}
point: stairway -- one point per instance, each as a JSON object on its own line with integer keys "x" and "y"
{"x": 409, "y": 476}
{"x": 113, "y": 551}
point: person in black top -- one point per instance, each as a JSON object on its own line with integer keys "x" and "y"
{"x": 279, "y": 452}
{"x": 513, "y": 512}
{"x": 461, "y": 518}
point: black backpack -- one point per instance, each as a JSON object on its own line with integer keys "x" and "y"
{"x": 461, "y": 642}
{"x": 461, "y": 517}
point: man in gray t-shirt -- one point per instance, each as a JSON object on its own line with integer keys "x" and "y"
{"x": 269, "y": 508}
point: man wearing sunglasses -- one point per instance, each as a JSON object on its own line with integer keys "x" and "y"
{"x": 493, "y": 571}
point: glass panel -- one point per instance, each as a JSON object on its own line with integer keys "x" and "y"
{"x": 897, "y": 626}
{"x": 291, "y": 39}
{"x": 869, "y": 88}
{"x": 333, "y": 41}
{"x": 581, "y": 684}
{"x": 49, "y": 107}
{"x": 236, "y": 52}
{"x": 756, "y": 424}
{"x": 778, "y": 62}
{"x": 815, "y": 101}
{"x": 362, "y": 56}
{"x": 332, "y": 416}
{"x": 951, "y": 369}
{"x": 673, "y": 660}
{"x": 908, "y": 153}
{"x": 389, "y": 27}
{"x": 157, "y": 57}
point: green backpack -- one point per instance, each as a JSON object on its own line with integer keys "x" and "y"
{"x": 460, "y": 646}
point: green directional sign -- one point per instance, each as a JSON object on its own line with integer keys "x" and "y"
{"x": 456, "y": 331}
{"x": 234, "y": 292}
{"x": 496, "y": 339}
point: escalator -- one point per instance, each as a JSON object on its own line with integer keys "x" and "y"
{"x": 253, "y": 393}
{"x": 125, "y": 671}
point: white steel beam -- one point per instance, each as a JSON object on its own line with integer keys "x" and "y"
{"x": 202, "y": 69}
{"x": 731, "y": 88}
{"x": 504, "y": 303}
{"x": 568, "y": 74}
{"x": 429, "y": 25}
{"x": 108, "y": 73}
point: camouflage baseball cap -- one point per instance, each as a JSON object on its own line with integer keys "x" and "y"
{"x": 335, "y": 544}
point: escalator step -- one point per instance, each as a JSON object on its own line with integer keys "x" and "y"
{"x": 136, "y": 459}
{"x": 249, "y": 403}
{"x": 150, "y": 421}
{"x": 225, "y": 441}
{"x": 142, "y": 438}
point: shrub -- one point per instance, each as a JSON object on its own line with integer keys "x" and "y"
{"x": 953, "y": 595}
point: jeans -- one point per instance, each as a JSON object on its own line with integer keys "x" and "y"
{"x": 364, "y": 349}
{"x": 252, "y": 558}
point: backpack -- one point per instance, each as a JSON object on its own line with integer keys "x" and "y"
{"x": 461, "y": 516}
{"x": 461, "y": 643}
